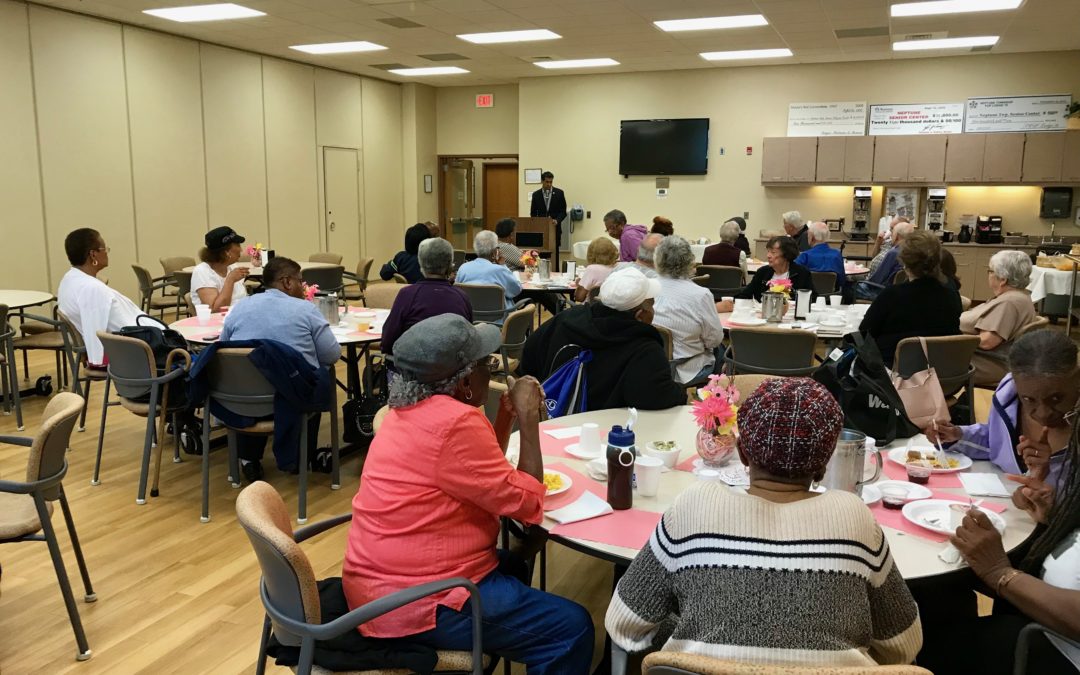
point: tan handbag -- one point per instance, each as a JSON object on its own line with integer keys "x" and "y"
{"x": 924, "y": 402}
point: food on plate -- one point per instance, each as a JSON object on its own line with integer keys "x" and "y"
{"x": 931, "y": 460}
{"x": 665, "y": 446}
{"x": 552, "y": 481}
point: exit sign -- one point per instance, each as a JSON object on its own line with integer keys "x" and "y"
{"x": 485, "y": 100}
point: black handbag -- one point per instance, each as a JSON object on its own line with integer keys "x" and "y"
{"x": 359, "y": 413}
{"x": 857, "y": 378}
{"x": 161, "y": 340}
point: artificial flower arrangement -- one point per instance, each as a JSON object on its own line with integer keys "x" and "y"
{"x": 780, "y": 286}
{"x": 254, "y": 252}
{"x": 310, "y": 291}
{"x": 530, "y": 258}
{"x": 715, "y": 411}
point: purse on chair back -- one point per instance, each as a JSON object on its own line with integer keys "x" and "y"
{"x": 924, "y": 402}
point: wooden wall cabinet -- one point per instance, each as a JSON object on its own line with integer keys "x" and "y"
{"x": 830, "y": 159}
{"x": 1004, "y": 158}
{"x": 858, "y": 159}
{"x": 1070, "y": 165}
{"x": 964, "y": 158}
{"x": 891, "y": 159}
{"x": 926, "y": 159}
{"x": 1043, "y": 157}
{"x": 774, "y": 160}
{"x": 789, "y": 160}
{"x": 965, "y": 269}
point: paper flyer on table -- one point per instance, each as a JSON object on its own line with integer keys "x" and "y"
{"x": 563, "y": 433}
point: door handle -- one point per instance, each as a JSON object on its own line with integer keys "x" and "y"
{"x": 332, "y": 226}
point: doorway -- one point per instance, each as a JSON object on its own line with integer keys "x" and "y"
{"x": 464, "y": 208}
{"x": 500, "y": 193}
{"x": 342, "y": 197}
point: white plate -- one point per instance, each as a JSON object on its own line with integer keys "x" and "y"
{"x": 870, "y": 495}
{"x": 565, "y": 480}
{"x": 833, "y": 322}
{"x": 748, "y": 321}
{"x": 575, "y": 450}
{"x": 934, "y": 515}
{"x": 899, "y": 456}
{"x": 914, "y": 491}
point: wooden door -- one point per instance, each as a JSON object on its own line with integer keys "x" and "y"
{"x": 774, "y": 160}
{"x": 802, "y": 160}
{"x": 830, "y": 159}
{"x": 1070, "y": 165}
{"x": 964, "y": 158}
{"x": 1043, "y": 154}
{"x": 342, "y": 199}
{"x": 891, "y": 159}
{"x": 926, "y": 159}
{"x": 500, "y": 193}
{"x": 858, "y": 159}
{"x": 1004, "y": 158}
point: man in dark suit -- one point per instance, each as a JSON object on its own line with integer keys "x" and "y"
{"x": 550, "y": 202}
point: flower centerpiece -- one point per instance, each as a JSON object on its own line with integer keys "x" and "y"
{"x": 774, "y": 302}
{"x": 255, "y": 252}
{"x": 310, "y": 291}
{"x": 780, "y": 286}
{"x": 715, "y": 412}
{"x": 530, "y": 260}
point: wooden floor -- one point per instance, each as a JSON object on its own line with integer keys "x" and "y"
{"x": 174, "y": 594}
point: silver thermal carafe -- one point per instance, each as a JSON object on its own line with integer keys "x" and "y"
{"x": 935, "y": 209}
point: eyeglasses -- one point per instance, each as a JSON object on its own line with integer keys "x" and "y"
{"x": 102, "y": 248}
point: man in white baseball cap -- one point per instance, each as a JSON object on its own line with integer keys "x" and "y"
{"x": 629, "y": 365}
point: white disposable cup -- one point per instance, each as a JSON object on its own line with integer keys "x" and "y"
{"x": 202, "y": 314}
{"x": 728, "y": 298}
{"x": 744, "y": 305}
{"x": 571, "y": 268}
{"x": 647, "y": 471}
{"x": 834, "y": 300}
{"x": 590, "y": 438}
{"x": 820, "y": 303}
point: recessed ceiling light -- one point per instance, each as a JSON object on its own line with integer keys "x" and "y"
{"x": 746, "y": 54}
{"x": 510, "y": 36}
{"x": 338, "y": 47}
{"x": 204, "y": 12}
{"x": 433, "y": 70}
{"x": 952, "y": 7}
{"x": 945, "y": 43}
{"x": 712, "y": 23}
{"x": 576, "y": 63}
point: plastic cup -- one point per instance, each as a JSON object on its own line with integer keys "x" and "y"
{"x": 363, "y": 325}
{"x": 834, "y": 300}
{"x": 589, "y": 442}
{"x": 729, "y": 298}
{"x": 202, "y": 314}
{"x": 744, "y": 305}
{"x": 647, "y": 472}
{"x": 893, "y": 496}
{"x": 571, "y": 268}
{"x": 919, "y": 474}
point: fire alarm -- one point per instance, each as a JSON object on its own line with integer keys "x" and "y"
{"x": 749, "y": 150}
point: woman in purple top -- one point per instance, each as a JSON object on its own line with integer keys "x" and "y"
{"x": 629, "y": 236}
{"x": 431, "y": 296}
{"x": 1028, "y": 429}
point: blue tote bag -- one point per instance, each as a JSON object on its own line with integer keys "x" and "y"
{"x": 565, "y": 389}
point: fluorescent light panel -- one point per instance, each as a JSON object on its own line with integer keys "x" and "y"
{"x": 712, "y": 23}
{"x": 338, "y": 47}
{"x": 433, "y": 70}
{"x": 952, "y": 7}
{"x": 510, "y": 36}
{"x": 193, "y": 13}
{"x": 747, "y": 54}
{"x": 576, "y": 63}
{"x": 945, "y": 43}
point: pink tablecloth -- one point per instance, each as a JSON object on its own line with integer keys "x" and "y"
{"x": 630, "y": 528}
{"x": 938, "y": 480}
{"x": 895, "y": 519}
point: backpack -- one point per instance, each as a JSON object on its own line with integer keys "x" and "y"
{"x": 856, "y": 377}
{"x": 359, "y": 413}
{"x": 566, "y": 388}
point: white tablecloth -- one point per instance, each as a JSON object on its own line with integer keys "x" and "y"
{"x": 699, "y": 250}
{"x": 1045, "y": 281}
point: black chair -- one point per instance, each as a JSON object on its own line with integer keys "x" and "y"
{"x": 329, "y": 279}
{"x": 771, "y": 351}
{"x": 950, "y": 357}
{"x": 824, "y": 282}
{"x": 722, "y": 280}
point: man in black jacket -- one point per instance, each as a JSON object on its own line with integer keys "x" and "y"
{"x": 629, "y": 365}
{"x": 550, "y": 202}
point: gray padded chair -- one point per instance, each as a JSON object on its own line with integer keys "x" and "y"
{"x": 951, "y": 358}
{"x": 170, "y": 266}
{"x": 771, "y": 351}
{"x": 722, "y": 280}
{"x": 182, "y": 280}
{"x": 515, "y": 331}
{"x": 289, "y": 590}
{"x": 356, "y": 284}
{"x": 329, "y": 279}
{"x": 381, "y": 295}
{"x": 26, "y": 506}
{"x": 148, "y": 285}
{"x": 51, "y": 340}
{"x": 9, "y": 378}
{"x": 326, "y": 257}
{"x": 489, "y": 302}
{"x": 237, "y": 385}
{"x": 144, "y": 393}
{"x": 81, "y": 375}
{"x": 1023, "y": 645}
{"x": 824, "y": 283}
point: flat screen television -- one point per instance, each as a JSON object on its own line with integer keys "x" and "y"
{"x": 664, "y": 147}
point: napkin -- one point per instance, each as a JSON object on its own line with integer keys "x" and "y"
{"x": 949, "y": 555}
{"x": 597, "y": 469}
{"x": 585, "y": 507}
{"x": 983, "y": 485}
{"x": 563, "y": 433}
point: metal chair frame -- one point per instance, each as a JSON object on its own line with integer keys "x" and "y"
{"x": 736, "y": 367}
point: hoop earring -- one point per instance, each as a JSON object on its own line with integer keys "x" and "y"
{"x": 94, "y": 262}
{"x": 468, "y": 394}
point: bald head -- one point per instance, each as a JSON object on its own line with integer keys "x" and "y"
{"x": 819, "y": 232}
{"x": 902, "y": 231}
{"x": 646, "y": 253}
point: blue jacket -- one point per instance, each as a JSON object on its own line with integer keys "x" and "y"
{"x": 823, "y": 258}
{"x": 300, "y": 389}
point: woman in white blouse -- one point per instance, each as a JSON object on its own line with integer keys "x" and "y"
{"x": 217, "y": 281}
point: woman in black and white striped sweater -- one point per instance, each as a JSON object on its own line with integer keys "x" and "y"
{"x": 779, "y": 575}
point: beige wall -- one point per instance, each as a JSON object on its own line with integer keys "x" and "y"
{"x": 581, "y": 140}
{"x": 418, "y": 152}
{"x": 152, "y": 139}
{"x": 465, "y": 130}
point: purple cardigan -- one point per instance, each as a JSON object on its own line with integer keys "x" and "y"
{"x": 996, "y": 440}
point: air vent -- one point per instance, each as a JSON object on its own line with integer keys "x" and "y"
{"x": 936, "y": 35}
{"x": 389, "y": 66}
{"x": 876, "y": 31}
{"x": 398, "y": 22}
{"x": 444, "y": 57}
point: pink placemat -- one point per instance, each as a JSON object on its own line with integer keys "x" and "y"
{"x": 630, "y": 528}
{"x": 687, "y": 464}
{"x": 581, "y": 482}
{"x": 937, "y": 480}
{"x": 193, "y": 322}
{"x": 556, "y": 447}
{"x": 895, "y": 519}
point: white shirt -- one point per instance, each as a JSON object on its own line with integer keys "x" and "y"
{"x": 91, "y": 306}
{"x": 204, "y": 276}
{"x": 1062, "y": 569}
{"x": 689, "y": 312}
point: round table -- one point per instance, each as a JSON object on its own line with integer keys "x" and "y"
{"x": 255, "y": 272}
{"x": 915, "y": 557}
{"x": 16, "y": 299}
{"x": 1046, "y": 281}
{"x": 852, "y": 314}
{"x": 850, "y": 269}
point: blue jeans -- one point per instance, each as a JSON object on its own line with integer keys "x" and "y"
{"x": 865, "y": 290}
{"x": 549, "y": 634}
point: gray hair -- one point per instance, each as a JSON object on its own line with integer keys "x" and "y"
{"x": 485, "y": 244}
{"x": 436, "y": 257}
{"x": 647, "y": 250}
{"x": 730, "y": 232}
{"x": 792, "y": 218}
{"x": 1012, "y": 267}
{"x": 1043, "y": 353}
{"x": 902, "y": 230}
{"x": 675, "y": 258}
{"x": 405, "y": 391}
{"x": 616, "y": 216}
{"x": 819, "y": 231}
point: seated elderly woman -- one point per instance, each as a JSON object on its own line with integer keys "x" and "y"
{"x": 1028, "y": 429}
{"x": 780, "y": 254}
{"x": 687, "y": 310}
{"x": 727, "y": 252}
{"x": 435, "y": 484}
{"x": 600, "y": 261}
{"x": 405, "y": 262}
{"x": 662, "y": 226}
{"x": 488, "y": 269}
{"x": 431, "y": 296}
{"x": 742, "y": 243}
{"x": 218, "y": 281}
{"x": 85, "y": 300}
{"x": 825, "y": 589}
{"x": 922, "y": 307}
{"x": 998, "y": 320}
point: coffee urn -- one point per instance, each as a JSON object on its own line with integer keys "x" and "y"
{"x": 861, "y": 214}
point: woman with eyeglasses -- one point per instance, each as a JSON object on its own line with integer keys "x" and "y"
{"x": 1028, "y": 428}
{"x": 218, "y": 281}
{"x": 85, "y": 300}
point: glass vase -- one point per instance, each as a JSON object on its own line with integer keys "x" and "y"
{"x": 715, "y": 449}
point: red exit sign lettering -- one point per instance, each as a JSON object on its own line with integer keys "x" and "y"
{"x": 485, "y": 100}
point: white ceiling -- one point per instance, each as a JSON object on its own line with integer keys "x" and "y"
{"x": 620, "y": 29}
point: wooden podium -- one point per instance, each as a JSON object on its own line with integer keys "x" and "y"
{"x": 535, "y": 234}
